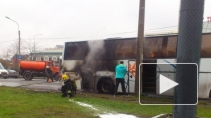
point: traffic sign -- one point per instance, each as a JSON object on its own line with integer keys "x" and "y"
{"x": 19, "y": 57}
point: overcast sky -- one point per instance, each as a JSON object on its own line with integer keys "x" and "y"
{"x": 65, "y": 20}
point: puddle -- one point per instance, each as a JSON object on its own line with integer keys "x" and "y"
{"x": 83, "y": 104}
{"x": 117, "y": 116}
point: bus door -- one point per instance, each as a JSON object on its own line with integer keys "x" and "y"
{"x": 149, "y": 77}
{"x": 130, "y": 76}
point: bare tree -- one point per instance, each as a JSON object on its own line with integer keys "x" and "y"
{"x": 6, "y": 54}
{"x": 27, "y": 47}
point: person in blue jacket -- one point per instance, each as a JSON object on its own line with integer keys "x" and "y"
{"x": 120, "y": 77}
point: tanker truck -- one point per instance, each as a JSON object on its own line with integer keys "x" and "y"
{"x": 30, "y": 69}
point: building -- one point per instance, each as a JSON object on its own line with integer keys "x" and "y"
{"x": 47, "y": 54}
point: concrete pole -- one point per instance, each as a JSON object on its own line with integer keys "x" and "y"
{"x": 140, "y": 39}
{"x": 19, "y": 44}
{"x": 188, "y": 51}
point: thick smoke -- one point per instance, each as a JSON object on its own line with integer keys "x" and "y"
{"x": 96, "y": 51}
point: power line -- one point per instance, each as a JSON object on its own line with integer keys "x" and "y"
{"x": 6, "y": 41}
{"x": 102, "y": 34}
{"x": 90, "y": 36}
{"x": 161, "y": 28}
{"x": 108, "y": 34}
{"x": 59, "y": 38}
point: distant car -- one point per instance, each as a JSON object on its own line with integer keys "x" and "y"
{"x": 13, "y": 73}
{"x": 3, "y": 72}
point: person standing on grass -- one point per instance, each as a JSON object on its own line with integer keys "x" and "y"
{"x": 120, "y": 77}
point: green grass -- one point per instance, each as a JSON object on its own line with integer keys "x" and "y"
{"x": 20, "y": 103}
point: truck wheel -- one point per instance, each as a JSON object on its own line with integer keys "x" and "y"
{"x": 56, "y": 77}
{"x": 106, "y": 86}
{"x": 27, "y": 76}
{"x": 5, "y": 77}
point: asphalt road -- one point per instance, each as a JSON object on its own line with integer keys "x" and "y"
{"x": 36, "y": 83}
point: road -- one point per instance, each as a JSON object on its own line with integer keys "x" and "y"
{"x": 37, "y": 84}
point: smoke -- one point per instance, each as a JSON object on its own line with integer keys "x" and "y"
{"x": 96, "y": 51}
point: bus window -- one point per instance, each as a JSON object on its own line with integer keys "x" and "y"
{"x": 160, "y": 47}
{"x": 152, "y": 47}
{"x": 125, "y": 49}
{"x": 76, "y": 50}
{"x": 206, "y": 45}
{"x": 171, "y": 47}
{"x": 109, "y": 49}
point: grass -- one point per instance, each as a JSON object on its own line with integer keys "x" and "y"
{"x": 20, "y": 103}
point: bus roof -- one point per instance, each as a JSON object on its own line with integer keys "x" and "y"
{"x": 119, "y": 38}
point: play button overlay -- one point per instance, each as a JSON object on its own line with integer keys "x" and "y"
{"x": 168, "y": 83}
{"x": 165, "y": 84}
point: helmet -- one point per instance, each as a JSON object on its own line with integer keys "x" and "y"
{"x": 64, "y": 77}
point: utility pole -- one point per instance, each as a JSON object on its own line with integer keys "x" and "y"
{"x": 188, "y": 51}
{"x": 19, "y": 44}
{"x": 140, "y": 40}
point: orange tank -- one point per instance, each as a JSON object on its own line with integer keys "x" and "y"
{"x": 32, "y": 65}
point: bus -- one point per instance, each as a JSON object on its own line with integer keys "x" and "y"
{"x": 92, "y": 63}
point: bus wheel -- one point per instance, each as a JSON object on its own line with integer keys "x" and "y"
{"x": 107, "y": 86}
{"x": 27, "y": 76}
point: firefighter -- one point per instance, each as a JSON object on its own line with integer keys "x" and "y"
{"x": 67, "y": 87}
{"x": 49, "y": 73}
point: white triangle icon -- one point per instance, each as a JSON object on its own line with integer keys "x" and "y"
{"x": 165, "y": 84}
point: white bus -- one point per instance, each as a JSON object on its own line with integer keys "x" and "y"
{"x": 93, "y": 63}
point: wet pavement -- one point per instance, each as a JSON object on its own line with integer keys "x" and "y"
{"x": 39, "y": 84}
